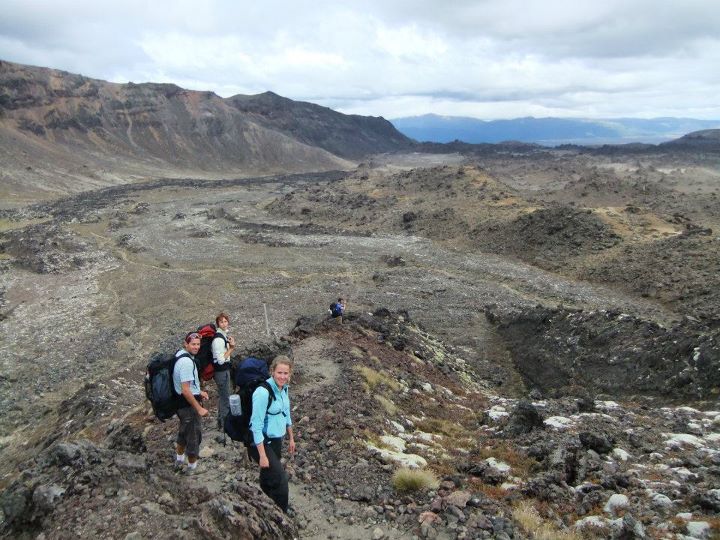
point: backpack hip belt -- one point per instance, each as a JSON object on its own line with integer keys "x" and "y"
{"x": 225, "y": 366}
{"x": 183, "y": 403}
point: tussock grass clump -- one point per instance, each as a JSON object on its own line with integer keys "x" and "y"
{"x": 411, "y": 480}
{"x": 387, "y": 405}
{"x": 374, "y": 378}
{"x": 441, "y": 426}
{"x": 536, "y": 527}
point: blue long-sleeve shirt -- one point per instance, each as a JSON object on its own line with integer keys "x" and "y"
{"x": 275, "y": 422}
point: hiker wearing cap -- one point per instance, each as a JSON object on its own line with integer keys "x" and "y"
{"x": 269, "y": 426}
{"x": 222, "y": 347}
{"x": 190, "y": 398}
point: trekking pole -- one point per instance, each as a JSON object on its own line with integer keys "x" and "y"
{"x": 267, "y": 323}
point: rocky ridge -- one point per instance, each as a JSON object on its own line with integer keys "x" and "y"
{"x": 650, "y": 237}
{"x": 371, "y": 396}
{"x": 64, "y": 133}
{"x": 561, "y": 351}
{"x": 350, "y": 136}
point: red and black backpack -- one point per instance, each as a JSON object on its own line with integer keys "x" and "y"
{"x": 204, "y": 357}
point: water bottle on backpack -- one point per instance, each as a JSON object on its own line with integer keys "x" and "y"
{"x": 235, "y": 407}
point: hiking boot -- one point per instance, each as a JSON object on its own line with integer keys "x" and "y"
{"x": 178, "y": 465}
{"x": 191, "y": 472}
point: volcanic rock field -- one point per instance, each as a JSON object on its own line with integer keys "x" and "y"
{"x": 535, "y": 329}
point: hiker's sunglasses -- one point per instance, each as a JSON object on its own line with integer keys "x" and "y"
{"x": 191, "y": 336}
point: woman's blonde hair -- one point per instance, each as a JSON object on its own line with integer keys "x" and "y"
{"x": 281, "y": 359}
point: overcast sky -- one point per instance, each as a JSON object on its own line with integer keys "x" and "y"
{"x": 486, "y": 58}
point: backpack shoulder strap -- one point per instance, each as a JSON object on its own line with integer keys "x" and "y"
{"x": 177, "y": 357}
{"x": 185, "y": 354}
{"x": 173, "y": 361}
{"x": 221, "y": 336}
{"x": 271, "y": 393}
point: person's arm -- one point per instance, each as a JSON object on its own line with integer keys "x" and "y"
{"x": 188, "y": 395}
{"x": 264, "y": 462}
{"x": 291, "y": 440}
{"x": 230, "y": 347}
{"x": 288, "y": 422}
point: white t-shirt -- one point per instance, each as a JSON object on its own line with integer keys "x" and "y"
{"x": 219, "y": 347}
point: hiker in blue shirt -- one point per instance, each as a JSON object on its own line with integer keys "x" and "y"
{"x": 269, "y": 426}
{"x": 337, "y": 310}
{"x": 190, "y": 403}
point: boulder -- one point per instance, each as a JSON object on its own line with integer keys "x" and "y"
{"x": 458, "y": 499}
{"x": 46, "y": 497}
{"x": 523, "y": 419}
{"x": 616, "y": 503}
{"x": 599, "y": 443}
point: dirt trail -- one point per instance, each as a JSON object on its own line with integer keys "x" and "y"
{"x": 317, "y": 520}
{"x": 313, "y": 362}
{"x": 318, "y": 516}
{"x": 315, "y": 515}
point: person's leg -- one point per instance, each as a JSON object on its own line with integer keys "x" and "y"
{"x": 276, "y": 481}
{"x": 222, "y": 379}
{"x": 273, "y": 480}
{"x": 184, "y": 420}
{"x": 276, "y": 445}
{"x": 193, "y": 437}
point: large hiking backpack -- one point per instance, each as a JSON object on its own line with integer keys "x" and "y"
{"x": 250, "y": 369}
{"x": 159, "y": 386}
{"x": 336, "y": 309}
{"x": 237, "y": 427}
{"x": 204, "y": 357}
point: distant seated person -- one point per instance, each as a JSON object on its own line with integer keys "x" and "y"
{"x": 337, "y": 310}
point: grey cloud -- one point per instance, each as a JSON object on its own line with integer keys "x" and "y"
{"x": 557, "y": 27}
{"x": 570, "y": 55}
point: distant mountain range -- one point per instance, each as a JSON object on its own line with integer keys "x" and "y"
{"x": 548, "y": 131}
{"x": 62, "y": 133}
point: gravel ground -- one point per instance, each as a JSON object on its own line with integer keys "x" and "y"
{"x": 91, "y": 285}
